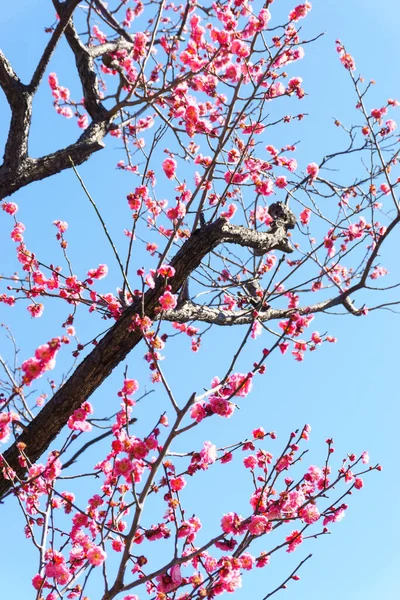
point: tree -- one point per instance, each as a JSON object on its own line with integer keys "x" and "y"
{"x": 245, "y": 238}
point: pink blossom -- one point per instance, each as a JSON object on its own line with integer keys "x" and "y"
{"x": 36, "y": 310}
{"x": 300, "y": 11}
{"x": 53, "y": 81}
{"x": 123, "y": 467}
{"x": 62, "y": 226}
{"x": 250, "y": 461}
{"x": 43, "y": 361}
{"x": 335, "y": 517}
{"x": 378, "y": 272}
{"x": 259, "y": 433}
{"x": 281, "y": 182}
{"x": 10, "y": 207}
{"x": 176, "y": 212}
{"x": 391, "y": 125}
{"x": 130, "y": 387}
{"x": 6, "y": 419}
{"x": 56, "y": 567}
{"x": 378, "y": 113}
{"x": 348, "y": 61}
{"x": 149, "y": 280}
{"x": 262, "y": 560}
{"x": 227, "y": 457}
{"x": 228, "y": 214}
{"x": 294, "y": 539}
{"x": 365, "y": 458}
{"x": 233, "y": 523}
{"x": 247, "y": 561}
{"x": 238, "y": 384}
{"x": 258, "y": 525}
{"x": 98, "y": 273}
{"x": 263, "y": 215}
{"x": 65, "y": 111}
{"x": 177, "y": 484}
{"x": 83, "y": 121}
{"x": 96, "y": 556}
{"x": 256, "y": 329}
{"x": 166, "y": 271}
{"x": 316, "y": 338}
{"x": 16, "y": 234}
{"x": 169, "y": 167}
{"x": 221, "y": 407}
{"x": 197, "y": 412}
{"x": 169, "y": 582}
{"x": 168, "y": 301}
{"x": 309, "y": 514}
{"x": 37, "y": 581}
{"x": 312, "y": 169}
{"x": 77, "y": 421}
{"x": 240, "y": 48}
{"x": 209, "y": 453}
{"x": 305, "y": 216}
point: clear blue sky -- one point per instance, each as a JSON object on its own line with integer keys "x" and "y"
{"x": 348, "y": 390}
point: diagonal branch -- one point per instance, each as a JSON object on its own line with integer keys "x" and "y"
{"x": 68, "y": 9}
{"x": 121, "y": 339}
{"x": 189, "y": 311}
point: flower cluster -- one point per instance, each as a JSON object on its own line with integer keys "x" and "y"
{"x": 220, "y": 402}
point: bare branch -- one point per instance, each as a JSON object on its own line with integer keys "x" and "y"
{"x": 68, "y": 9}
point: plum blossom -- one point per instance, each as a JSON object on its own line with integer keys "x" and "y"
{"x": 169, "y": 582}
{"x": 348, "y": 61}
{"x": 166, "y": 271}
{"x": 44, "y": 360}
{"x": 10, "y": 207}
{"x": 96, "y": 556}
{"x": 98, "y": 273}
{"x": 281, "y": 182}
{"x": 169, "y": 167}
{"x": 294, "y": 540}
{"x": 6, "y": 418}
{"x": 168, "y": 301}
{"x": 305, "y": 216}
{"x": 77, "y": 420}
{"x": 312, "y": 170}
{"x": 258, "y": 525}
{"x": 300, "y": 11}
{"x": 36, "y": 310}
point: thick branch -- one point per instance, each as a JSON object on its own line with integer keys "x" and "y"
{"x": 87, "y": 74}
{"x": 119, "y": 340}
{"x": 9, "y": 81}
{"x": 35, "y": 169}
{"x": 189, "y": 311}
{"x": 109, "y": 47}
{"x": 20, "y": 102}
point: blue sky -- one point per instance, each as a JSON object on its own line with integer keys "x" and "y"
{"x": 348, "y": 391}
